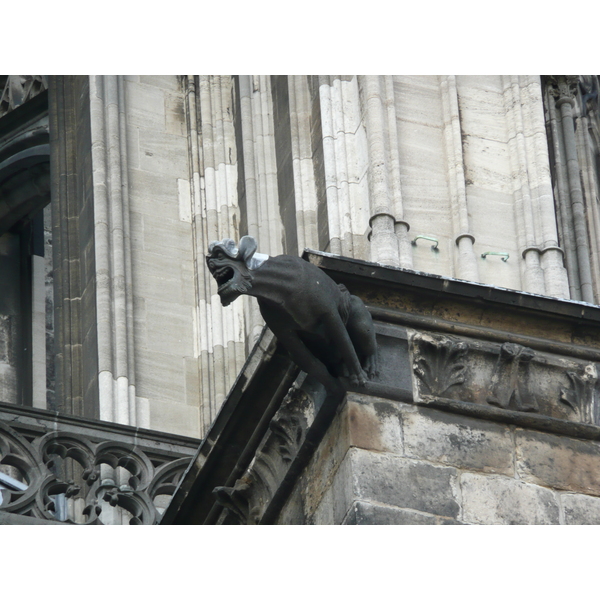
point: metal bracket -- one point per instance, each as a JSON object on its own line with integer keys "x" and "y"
{"x": 505, "y": 256}
{"x": 427, "y": 237}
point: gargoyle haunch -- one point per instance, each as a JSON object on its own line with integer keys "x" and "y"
{"x": 327, "y": 331}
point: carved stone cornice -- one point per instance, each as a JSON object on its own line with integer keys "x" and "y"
{"x": 507, "y": 376}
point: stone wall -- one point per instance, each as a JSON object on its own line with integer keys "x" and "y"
{"x": 385, "y": 462}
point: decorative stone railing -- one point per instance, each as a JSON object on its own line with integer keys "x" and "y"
{"x": 60, "y": 468}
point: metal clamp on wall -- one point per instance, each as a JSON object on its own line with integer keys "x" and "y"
{"x": 505, "y": 256}
{"x": 427, "y": 237}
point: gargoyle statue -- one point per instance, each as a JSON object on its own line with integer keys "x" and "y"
{"x": 328, "y": 332}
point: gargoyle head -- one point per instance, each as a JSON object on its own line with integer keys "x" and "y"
{"x": 231, "y": 266}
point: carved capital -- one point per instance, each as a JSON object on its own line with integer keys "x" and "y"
{"x": 564, "y": 88}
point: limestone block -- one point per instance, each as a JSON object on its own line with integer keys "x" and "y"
{"x": 372, "y": 424}
{"x": 559, "y": 462}
{"x": 482, "y": 106}
{"x": 324, "y": 515}
{"x": 399, "y": 482}
{"x": 497, "y": 500}
{"x": 168, "y": 82}
{"x": 175, "y": 114}
{"x": 487, "y": 165}
{"x": 154, "y": 194}
{"x": 166, "y": 236}
{"x": 168, "y": 327}
{"x": 324, "y": 468}
{"x": 153, "y": 282}
{"x": 418, "y": 99}
{"x": 580, "y": 509}
{"x": 292, "y": 513}
{"x": 185, "y": 200}
{"x": 367, "y": 513}
{"x": 164, "y": 153}
{"x": 160, "y": 375}
{"x": 458, "y": 441}
{"x": 145, "y": 106}
{"x": 172, "y": 417}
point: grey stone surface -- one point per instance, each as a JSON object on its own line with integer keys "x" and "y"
{"x": 580, "y": 509}
{"x": 497, "y": 500}
{"x": 458, "y": 441}
{"x": 367, "y": 513}
{"x": 403, "y": 483}
{"x": 559, "y": 462}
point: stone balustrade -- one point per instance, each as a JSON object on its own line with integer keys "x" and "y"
{"x": 60, "y": 468}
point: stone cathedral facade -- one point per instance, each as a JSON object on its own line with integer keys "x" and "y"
{"x": 111, "y": 329}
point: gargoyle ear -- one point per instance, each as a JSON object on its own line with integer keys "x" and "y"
{"x": 247, "y": 248}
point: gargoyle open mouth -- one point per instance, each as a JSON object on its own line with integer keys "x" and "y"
{"x": 223, "y": 275}
{"x": 228, "y": 267}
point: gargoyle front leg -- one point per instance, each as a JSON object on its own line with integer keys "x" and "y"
{"x": 338, "y": 335}
{"x": 304, "y": 358}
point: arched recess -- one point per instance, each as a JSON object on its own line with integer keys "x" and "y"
{"x": 26, "y": 322}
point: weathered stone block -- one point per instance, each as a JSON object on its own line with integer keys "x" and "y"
{"x": 372, "y": 424}
{"x": 458, "y": 441}
{"x": 580, "y": 509}
{"x": 558, "y": 462}
{"x": 292, "y": 513}
{"x": 366, "y": 513}
{"x": 401, "y": 482}
{"x": 497, "y": 500}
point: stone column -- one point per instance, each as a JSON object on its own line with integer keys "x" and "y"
{"x": 386, "y": 217}
{"x": 564, "y": 89}
{"x": 465, "y": 258}
{"x": 114, "y": 295}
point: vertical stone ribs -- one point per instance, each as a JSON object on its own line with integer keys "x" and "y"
{"x": 73, "y": 247}
{"x": 508, "y": 376}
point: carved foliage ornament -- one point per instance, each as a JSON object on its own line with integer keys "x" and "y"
{"x": 510, "y": 376}
{"x": 564, "y": 88}
{"x": 439, "y": 364}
